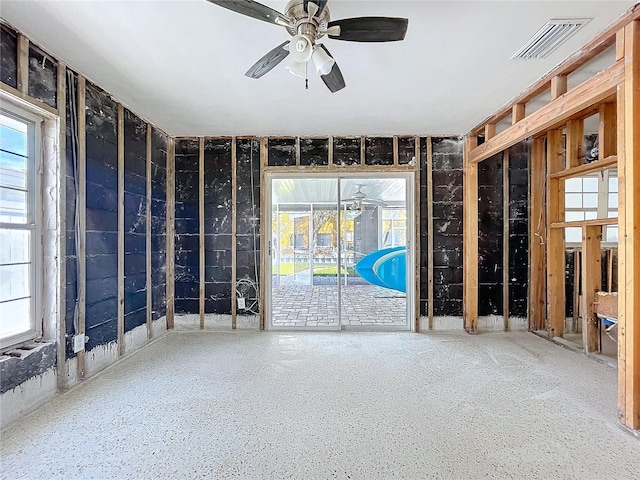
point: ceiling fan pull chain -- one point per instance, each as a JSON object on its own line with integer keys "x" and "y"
{"x": 306, "y": 75}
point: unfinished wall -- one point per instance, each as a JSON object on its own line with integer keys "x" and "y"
{"x": 158, "y": 211}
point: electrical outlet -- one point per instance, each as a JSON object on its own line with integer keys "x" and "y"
{"x": 78, "y": 343}
{"x": 241, "y": 303}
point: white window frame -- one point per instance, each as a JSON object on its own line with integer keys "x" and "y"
{"x": 34, "y": 220}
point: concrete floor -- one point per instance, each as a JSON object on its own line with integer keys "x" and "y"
{"x": 308, "y": 405}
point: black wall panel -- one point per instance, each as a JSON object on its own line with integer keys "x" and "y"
{"x": 406, "y": 150}
{"x": 135, "y": 221}
{"x": 8, "y": 57}
{"x": 217, "y": 228}
{"x": 43, "y": 76}
{"x": 282, "y": 152}
{"x": 159, "y": 143}
{"x": 378, "y": 151}
{"x": 314, "y": 152}
{"x": 187, "y": 227}
{"x": 346, "y": 151}
{"x": 101, "y": 321}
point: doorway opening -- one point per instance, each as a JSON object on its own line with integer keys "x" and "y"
{"x": 340, "y": 251}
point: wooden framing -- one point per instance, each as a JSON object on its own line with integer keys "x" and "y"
{"x": 505, "y": 240}
{"x": 121, "y": 345}
{"x": 470, "y": 239}
{"x": 558, "y": 86}
{"x": 23, "y": 65}
{"x": 591, "y": 281}
{"x": 234, "y": 227}
{"x": 81, "y": 254}
{"x": 363, "y": 150}
{"x": 429, "y": 168}
{"x": 574, "y": 147}
{"x": 201, "y": 260}
{"x": 577, "y": 275}
{"x": 23, "y": 96}
{"x": 395, "y": 150}
{"x": 607, "y": 134}
{"x": 518, "y": 113}
{"x": 265, "y": 249}
{"x": 61, "y": 339}
{"x": 171, "y": 232}
{"x": 148, "y": 232}
{"x": 598, "y": 165}
{"x": 537, "y": 236}
{"x": 628, "y": 142}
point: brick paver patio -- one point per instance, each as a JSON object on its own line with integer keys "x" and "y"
{"x": 297, "y": 304}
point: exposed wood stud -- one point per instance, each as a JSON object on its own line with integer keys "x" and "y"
{"x": 584, "y": 169}
{"x": 591, "y": 281}
{"x": 582, "y": 223}
{"x": 537, "y": 236}
{"x": 264, "y": 247}
{"x": 558, "y": 86}
{"x": 555, "y": 238}
{"x": 505, "y": 240}
{"x": 609, "y": 270}
{"x": 518, "y": 112}
{"x": 429, "y": 171}
{"x": 628, "y": 115}
{"x": 395, "y": 150}
{"x": 553, "y": 115}
{"x": 577, "y": 275}
{"x": 149, "y": 138}
{"x": 171, "y": 232}
{"x": 201, "y": 260}
{"x": 620, "y": 44}
{"x": 363, "y": 150}
{"x": 607, "y": 136}
{"x": 489, "y": 131}
{"x": 575, "y": 141}
{"x": 298, "y": 152}
{"x": 81, "y": 254}
{"x": 23, "y": 65}
{"x": 234, "y": 225}
{"x": 120, "y": 331}
{"x": 470, "y": 239}
{"x": 417, "y": 248}
{"x": 330, "y": 152}
{"x": 62, "y": 230}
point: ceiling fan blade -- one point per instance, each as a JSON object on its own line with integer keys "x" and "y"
{"x": 334, "y": 79}
{"x": 320, "y": 3}
{"x": 370, "y": 29}
{"x": 253, "y": 9}
{"x": 270, "y": 60}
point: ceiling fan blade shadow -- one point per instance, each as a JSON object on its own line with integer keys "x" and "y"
{"x": 334, "y": 79}
{"x": 320, "y": 3}
{"x": 252, "y": 9}
{"x": 270, "y": 60}
{"x": 370, "y": 29}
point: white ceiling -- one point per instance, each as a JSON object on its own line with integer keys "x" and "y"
{"x": 181, "y": 64}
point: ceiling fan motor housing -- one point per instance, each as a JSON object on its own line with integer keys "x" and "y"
{"x": 301, "y": 25}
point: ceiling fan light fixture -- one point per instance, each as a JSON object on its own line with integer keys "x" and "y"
{"x": 322, "y": 61}
{"x": 301, "y": 48}
{"x": 298, "y": 69}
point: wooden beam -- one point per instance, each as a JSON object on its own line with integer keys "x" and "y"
{"x": 81, "y": 199}
{"x": 558, "y": 86}
{"x": 120, "y": 329}
{"x": 581, "y": 170}
{"x": 607, "y": 137}
{"x": 429, "y": 168}
{"x": 265, "y": 272}
{"x": 598, "y": 45}
{"x": 537, "y": 236}
{"x": 574, "y": 143}
{"x": 234, "y": 225}
{"x": 554, "y": 114}
{"x": 395, "y": 150}
{"x": 505, "y": 240}
{"x": 591, "y": 282}
{"x": 620, "y": 44}
{"x": 330, "y": 153}
{"x": 363, "y": 143}
{"x": 171, "y": 233}
{"x": 629, "y": 232}
{"x": 298, "y": 152}
{"x": 555, "y": 238}
{"x": 518, "y": 112}
{"x": 489, "y": 131}
{"x": 470, "y": 239}
{"x": 61, "y": 340}
{"x": 149, "y": 289}
{"x": 584, "y": 223}
{"x": 23, "y": 65}
{"x": 577, "y": 275}
{"x": 201, "y": 260}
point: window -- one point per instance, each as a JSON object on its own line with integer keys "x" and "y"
{"x": 19, "y": 226}
{"x": 324, "y": 240}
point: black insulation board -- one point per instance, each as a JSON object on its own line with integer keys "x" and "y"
{"x": 346, "y": 151}
{"x": 518, "y": 179}
{"x": 423, "y": 231}
{"x": 378, "y": 151}
{"x": 70, "y": 192}
{"x": 447, "y": 225}
{"x": 282, "y": 152}
{"x": 314, "y": 152}
{"x": 490, "y": 237}
{"x": 217, "y": 228}
{"x": 43, "y": 76}
{"x": 8, "y": 57}
{"x": 135, "y": 221}
{"x": 406, "y": 150}
{"x": 101, "y": 320}
{"x": 248, "y": 210}
{"x": 159, "y": 143}
{"x": 187, "y": 228}
{"x": 14, "y": 371}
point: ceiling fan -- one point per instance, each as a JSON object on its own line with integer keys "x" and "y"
{"x": 358, "y": 199}
{"x": 307, "y": 22}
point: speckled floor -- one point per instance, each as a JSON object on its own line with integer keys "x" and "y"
{"x": 256, "y": 405}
